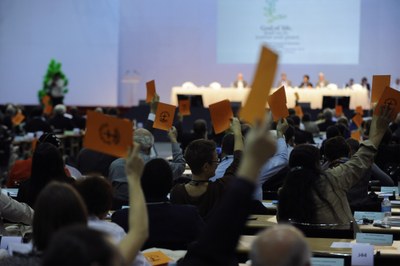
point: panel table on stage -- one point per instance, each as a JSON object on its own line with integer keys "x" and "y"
{"x": 358, "y": 97}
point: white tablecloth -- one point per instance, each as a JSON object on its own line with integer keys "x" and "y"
{"x": 312, "y": 96}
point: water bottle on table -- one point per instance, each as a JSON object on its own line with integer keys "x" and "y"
{"x": 387, "y": 212}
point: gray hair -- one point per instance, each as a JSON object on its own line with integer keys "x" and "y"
{"x": 60, "y": 109}
{"x": 144, "y": 138}
{"x": 280, "y": 245}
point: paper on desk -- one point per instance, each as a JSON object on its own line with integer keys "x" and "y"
{"x": 269, "y": 205}
{"x": 341, "y": 245}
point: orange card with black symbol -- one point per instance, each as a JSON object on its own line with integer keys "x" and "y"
{"x": 157, "y": 258}
{"x": 379, "y": 83}
{"x": 391, "y": 98}
{"x": 151, "y": 90}
{"x": 221, "y": 114}
{"x": 184, "y": 107}
{"x": 357, "y": 119}
{"x": 299, "y": 111}
{"x": 164, "y": 116}
{"x": 108, "y": 134}
{"x": 254, "y": 108}
{"x": 277, "y": 104}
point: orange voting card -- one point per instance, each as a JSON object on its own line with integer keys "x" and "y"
{"x": 47, "y": 107}
{"x": 359, "y": 110}
{"x": 379, "y": 83}
{"x": 356, "y": 135}
{"x": 357, "y": 119}
{"x": 157, "y": 258}
{"x": 338, "y": 110}
{"x": 151, "y": 90}
{"x": 17, "y": 119}
{"x": 184, "y": 107}
{"x": 277, "y": 104}
{"x": 221, "y": 114}
{"x": 299, "y": 111}
{"x": 164, "y": 116}
{"x": 391, "y": 98}
{"x": 254, "y": 107}
{"x": 108, "y": 134}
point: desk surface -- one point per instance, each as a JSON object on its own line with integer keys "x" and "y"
{"x": 323, "y": 246}
{"x": 264, "y": 221}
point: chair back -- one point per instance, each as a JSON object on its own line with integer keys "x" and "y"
{"x": 345, "y": 231}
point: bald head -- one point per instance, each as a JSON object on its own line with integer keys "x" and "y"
{"x": 281, "y": 245}
{"x": 144, "y": 138}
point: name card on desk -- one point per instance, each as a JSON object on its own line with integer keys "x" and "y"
{"x": 362, "y": 255}
{"x": 375, "y": 239}
{"x": 7, "y": 240}
{"x": 390, "y": 190}
{"x": 327, "y": 262}
{"x": 368, "y": 215}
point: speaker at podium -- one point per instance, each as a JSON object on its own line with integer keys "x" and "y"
{"x": 332, "y": 101}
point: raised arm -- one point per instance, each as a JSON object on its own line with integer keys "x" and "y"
{"x": 178, "y": 162}
{"x": 348, "y": 174}
{"x": 15, "y": 211}
{"x": 153, "y": 109}
{"x": 138, "y": 219}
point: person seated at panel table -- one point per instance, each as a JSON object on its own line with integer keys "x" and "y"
{"x": 239, "y": 82}
{"x": 322, "y": 82}
{"x": 306, "y": 82}
{"x": 312, "y": 195}
{"x": 365, "y": 84}
{"x": 284, "y": 81}
{"x": 350, "y": 83}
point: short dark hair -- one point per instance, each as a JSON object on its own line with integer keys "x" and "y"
{"x": 79, "y": 245}
{"x": 336, "y": 148}
{"x": 97, "y": 194}
{"x": 156, "y": 180}
{"x": 57, "y": 206}
{"x": 199, "y": 152}
{"x": 306, "y": 117}
{"x": 200, "y": 127}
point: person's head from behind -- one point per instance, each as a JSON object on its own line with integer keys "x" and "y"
{"x": 296, "y": 120}
{"x": 200, "y": 128}
{"x": 306, "y": 117}
{"x": 228, "y": 144}
{"x": 280, "y": 245}
{"x": 296, "y": 197}
{"x": 353, "y": 144}
{"x": 97, "y": 194}
{"x": 36, "y": 112}
{"x": 79, "y": 245}
{"x": 145, "y": 139}
{"x": 156, "y": 180}
{"x": 332, "y": 131}
{"x": 201, "y": 156}
{"x": 60, "y": 110}
{"x": 47, "y": 165}
{"x": 289, "y": 135}
{"x": 336, "y": 148}
{"x": 57, "y": 206}
{"x": 328, "y": 114}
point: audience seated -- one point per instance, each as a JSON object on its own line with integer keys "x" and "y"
{"x": 315, "y": 196}
{"x": 199, "y": 131}
{"x": 280, "y": 245}
{"x": 226, "y": 156}
{"x": 61, "y": 121}
{"x": 96, "y": 192}
{"x": 217, "y": 245}
{"x": 327, "y": 120}
{"x": 202, "y": 159}
{"x": 171, "y": 226}
{"x": 144, "y": 137}
{"x": 310, "y": 126}
{"x": 37, "y": 122}
{"x": 47, "y": 166}
{"x": 301, "y": 136}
